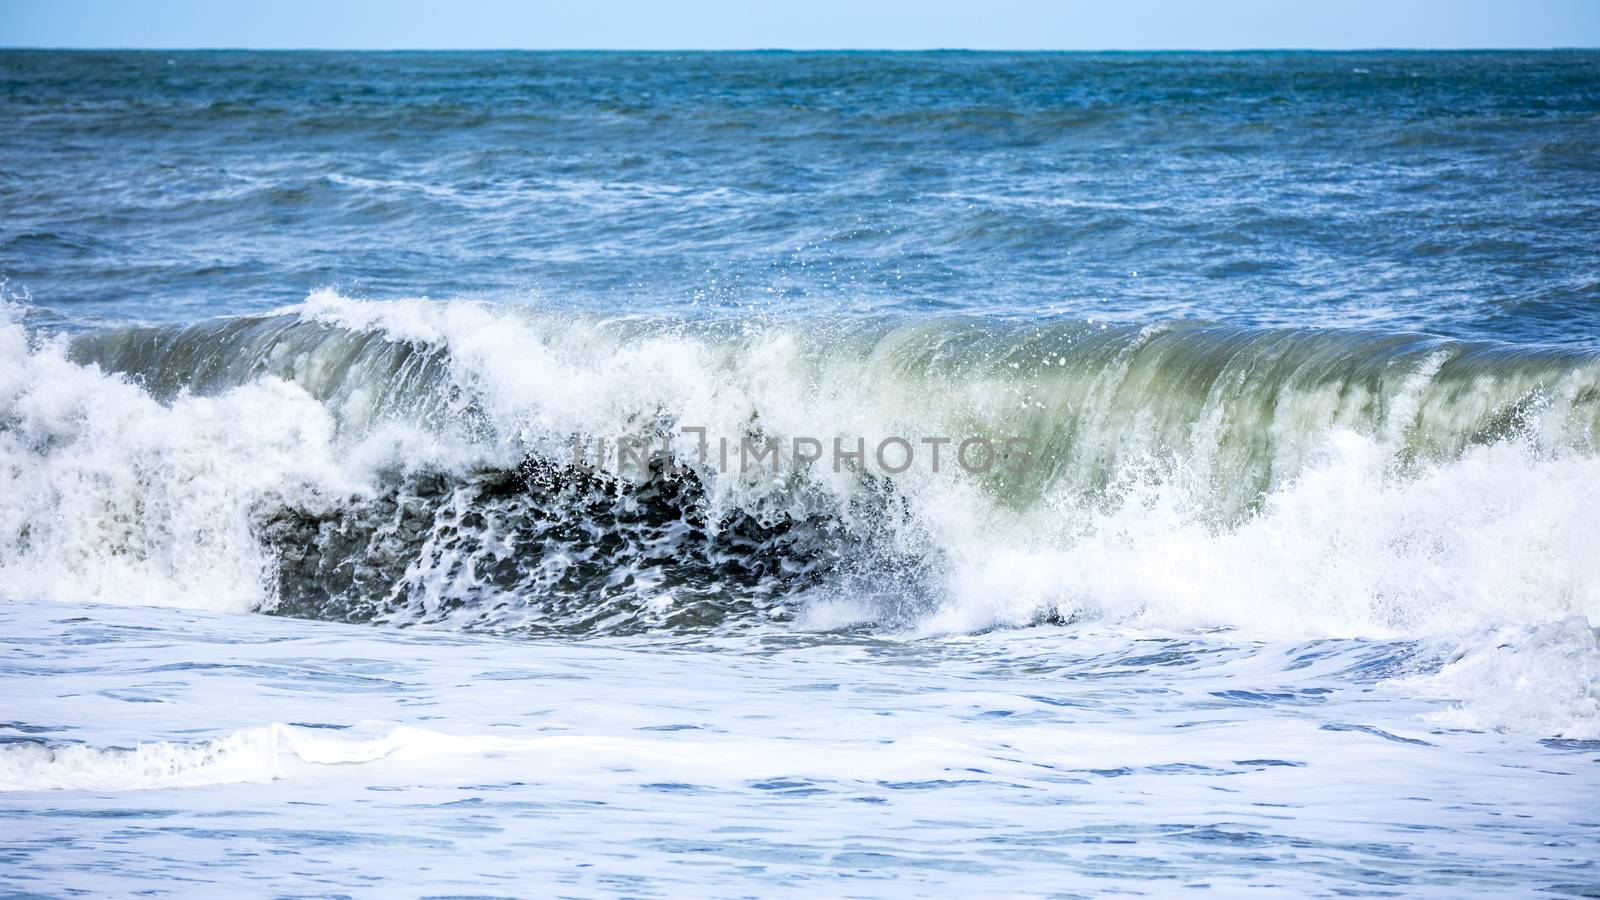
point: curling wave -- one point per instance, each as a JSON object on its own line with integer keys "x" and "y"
{"x": 411, "y": 462}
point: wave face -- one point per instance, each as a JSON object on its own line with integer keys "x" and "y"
{"x": 413, "y": 462}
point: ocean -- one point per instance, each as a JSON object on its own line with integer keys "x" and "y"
{"x": 750, "y": 474}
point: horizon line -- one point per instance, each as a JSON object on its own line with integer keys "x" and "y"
{"x": 315, "y": 49}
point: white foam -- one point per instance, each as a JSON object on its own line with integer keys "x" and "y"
{"x": 280, "y": 751}
{"x": 251, "y": 755}
{"x": 111, "y": 496}
{"x": 1349, "y": 548}
{"x": 1538, "y": 679}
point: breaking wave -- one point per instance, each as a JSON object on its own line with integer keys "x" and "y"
{"x": 412, "y": 462}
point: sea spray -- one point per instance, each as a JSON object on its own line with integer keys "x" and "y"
{"x": 407, "y": 462}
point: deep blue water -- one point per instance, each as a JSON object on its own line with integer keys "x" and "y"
{"x": 1449, "y": 192}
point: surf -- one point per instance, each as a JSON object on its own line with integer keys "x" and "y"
{"x": 411, "y": 462}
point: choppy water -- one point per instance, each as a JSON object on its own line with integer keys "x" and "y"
{"x": 305, "y": 593}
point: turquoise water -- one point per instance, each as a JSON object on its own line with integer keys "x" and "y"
{"x": 1283, "y": 576}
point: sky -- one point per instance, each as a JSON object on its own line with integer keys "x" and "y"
{"x": 801, "y": 24}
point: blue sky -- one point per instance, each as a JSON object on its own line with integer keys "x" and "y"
{"x": 801, "y": 24}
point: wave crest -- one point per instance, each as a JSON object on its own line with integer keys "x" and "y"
{"x": 408, "y": 461}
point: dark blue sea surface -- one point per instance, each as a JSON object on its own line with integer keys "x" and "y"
{"x": 1455, "y": 193}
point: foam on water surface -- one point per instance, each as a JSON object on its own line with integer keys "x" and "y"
{"x": 1024, "y": 760}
